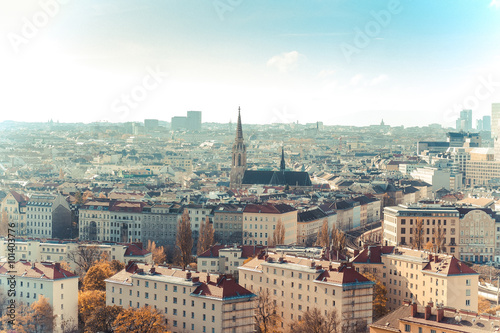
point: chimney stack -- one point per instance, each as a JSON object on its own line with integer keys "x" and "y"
{"x": 57, "y": 266}
{"x": 427, "y": 313}
{"x": 430, "y": 257}
{"x": 208, "y": 277}
{"x": 440, "y": 314}
{"x": 413, "y": 309}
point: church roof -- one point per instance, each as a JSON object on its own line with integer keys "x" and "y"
{"x": 264, "y": 177}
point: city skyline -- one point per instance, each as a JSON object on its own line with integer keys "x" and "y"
{"x": 342, "y": 63}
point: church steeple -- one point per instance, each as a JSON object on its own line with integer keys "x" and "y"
{"x": 282, "y": 163}
{"x": 239, "y": 130}
{"x": 239, "y": 157}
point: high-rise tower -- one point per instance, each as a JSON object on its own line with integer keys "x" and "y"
{"x": 239, "y": 157}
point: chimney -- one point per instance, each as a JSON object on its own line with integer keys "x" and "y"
{"x": 208, "y": 277}
{"x": 57, "y": 266}
{"x": 152, "y": 270}
{"x": 440, "y": 314}
{"x": 428, "y": 308}
{"x": 413, "y": 309}
{"x": 430, "y": 257}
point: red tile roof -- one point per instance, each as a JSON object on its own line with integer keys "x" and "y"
{"x": 373, "y": 254}
{"x": 267, "y": 208}
{"x": 43, "y": 270}
{"x": 448, "y": 266}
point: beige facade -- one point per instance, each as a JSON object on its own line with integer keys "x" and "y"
{"x": 482, "y": 172}
{"x": 260, "y": 220}
{"x": 467, "y": 232}
{"x": 60, "y": 287}
{"x": 423, "y": 277}
{"x": 36, "y": 250}
{"x": 190, "y": 302}
{"x": 299, "y": 284}
{"x": 14, "y": 207}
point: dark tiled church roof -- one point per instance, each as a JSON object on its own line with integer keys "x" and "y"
{"x": 264, "y": 177}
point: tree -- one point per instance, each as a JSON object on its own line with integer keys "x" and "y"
{"x": 338, "y": 240}
{"x": 184, "y": 240}
{"x": 116, "y": 266}
{"x": 428, "y": 246}
{"x": 440, "y": 237}
{"x": 418, "y": 239}
{"x": 314, "y": 322}
{"x": 42, "y": 315}
{"x": 142, "y": 320}
{"x": 87, "y": 302}
{"x": 158, "y": 253}
{"x": 323, "y": 238}
{"x": 94, "y": 279}
{"x": 4, "y": 224}
{"x": 206, "y": 238}
{"x": 379, "y": 296}
{"x": 483, "y": 305}
{"x": 279, "y": 234}
{"x": 78, "y": 198}
{"x": 84, "y": 256}
{"x": 266, "y": 314}
{"x": 102, "y": 319}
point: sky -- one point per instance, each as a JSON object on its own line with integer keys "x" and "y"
{"x": 342, "y": 62}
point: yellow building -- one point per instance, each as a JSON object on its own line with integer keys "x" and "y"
{"x": 421, "y": 276}
{"x": 299, "y": 284}
{"x": 464, "y": 231}
{"x": 190, "y": 301}
{"x": 13, "y": 206}
{"x": 413, "y": 318}
{"x": 260, "y": 220}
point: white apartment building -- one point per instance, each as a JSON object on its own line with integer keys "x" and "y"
{"x": 59, "y": 286}
{"x": 438, "y": 178}
{"x": 48, "y": 216}
{"x": 226, "y": 259}
{"x": 190, "y": 301}
{"x": 57, "y": 251}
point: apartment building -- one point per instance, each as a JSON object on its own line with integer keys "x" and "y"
{"x": 299, "y": 284}
{"x": 411, "y": 317}
{"x": 59, "y": 286}
{"x": 226, "y": 259}
{"x": 260, "y": 220}
{"x": 464, "y": 231}
{"x": 309, "y": 222}
{"x": 48, "y": 216}
{"x": 421, "y": 276}
{"x": 56, "y": 251}
{"x": 159, "y": 223}
{"x": 111, "y": 220}
{"x": 228, "y": 223}
{"x": 190, "y": 301}
{"x": 14, "y": 206}
{"x": 355, "y": 212}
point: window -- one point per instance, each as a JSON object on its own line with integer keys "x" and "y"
{"x": 407, "y": 328}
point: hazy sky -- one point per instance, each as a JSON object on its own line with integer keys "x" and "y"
{"x": 346, "y": 62}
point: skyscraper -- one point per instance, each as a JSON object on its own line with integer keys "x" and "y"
{"x": 239, "y": 157}
{"x": 486, "y": 123}
{"x": 464, "y": 123}
{"x": 193, "y": 122}
{"x": 495, "y": 129}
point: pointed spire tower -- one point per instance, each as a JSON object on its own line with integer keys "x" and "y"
{"x": 239, "y": 157}
{"x": 282, "y": 163}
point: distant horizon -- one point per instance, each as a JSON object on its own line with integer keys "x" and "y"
{"x": 55, "y": 121}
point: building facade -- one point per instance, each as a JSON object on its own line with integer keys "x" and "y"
{"x": 421, "y": 276}
{"x": 299, "y": 284}
{"x": 59, "y": 286}
{"x": 48, "y": 216}
{"x": 190, "y": 301}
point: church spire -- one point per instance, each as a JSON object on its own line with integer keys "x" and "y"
{"x": 239, "y": 131}
{"x": 282, "y": 164}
